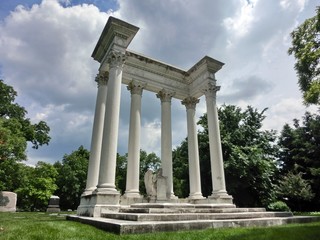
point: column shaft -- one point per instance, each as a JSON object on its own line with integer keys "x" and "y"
{"x": 193, "y": 150}
{"x": 133, "y": 167}
{"x": 96, "y": 140}
{"x": 217, "y": 169}
{"x": 166, "y": 139}
{"x": 111, "y": 124}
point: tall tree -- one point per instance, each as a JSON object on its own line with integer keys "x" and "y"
{"x": 306, "y": 50}
{"x": 72, "y": 175}
{"x": 249, "y": 156}
{"x": 299, "y": 155}
{"x": 16, "y": 129}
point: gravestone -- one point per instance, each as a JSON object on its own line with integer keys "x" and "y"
{"x": 53, "y": 205}
{"x": 8, "y": 201}
{"x": 161, "y": 187}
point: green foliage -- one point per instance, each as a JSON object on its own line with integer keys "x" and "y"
{"x": 147, "y": 161}
{"x": 37, "y": 187}
{"x": 306, "y": 50}
{"x": 15, "y": 129}
{"x": 12, "y": 174}
{"x": 295, "y": 190}
{"x": 299, "y": 156}
{"x": 72, "y": 176}
{"x": 249, "y": 157}
{"x": 278, "y": 206}
{"x": 121, "y": 172}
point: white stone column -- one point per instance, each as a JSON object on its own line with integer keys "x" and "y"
{"x": 217, "y": 169}
{"x": 96, "y": 140}
{"x": 166, "y": 139}
{"x": 107, "y": 171}
{"x": 193, "y": 150}
{"x": 133, "y": 167}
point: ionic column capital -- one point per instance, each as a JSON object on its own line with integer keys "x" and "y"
{"x": 102, "y": 78}
{"x": 210, "y": 90}
{"x": 190, "y": 102}
{"x": 116, "y": 59}
{"x": 136, "y": 87}
{"x": 165, "y": 95}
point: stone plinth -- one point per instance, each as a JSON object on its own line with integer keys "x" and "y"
{"x": 8, "y": 201}
{"x": 94, "y": 204}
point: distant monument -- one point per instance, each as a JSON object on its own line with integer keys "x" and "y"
{"x": 54, "y": 204}
{"x": 8, "y": 201}
{"x": 119, "y": 66}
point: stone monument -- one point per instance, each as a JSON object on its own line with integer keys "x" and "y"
{"x": 118, "y": 65}
{"x": 54, "y": 204}
{"x": 8, "y": 201}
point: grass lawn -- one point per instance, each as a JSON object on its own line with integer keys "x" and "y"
{"x": 43, "y": 226}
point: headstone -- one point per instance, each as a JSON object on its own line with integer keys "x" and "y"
{"x": 53, "y": 205}
{"x": 8, "y": 201}
{"x": 161, "y": 186}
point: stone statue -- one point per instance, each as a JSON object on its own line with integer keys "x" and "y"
{"x": 150, "y": 181}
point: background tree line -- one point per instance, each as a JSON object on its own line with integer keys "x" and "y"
{"x": 261, "y": 167}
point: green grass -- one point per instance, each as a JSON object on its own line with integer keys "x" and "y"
{"x": 43, "y": 226}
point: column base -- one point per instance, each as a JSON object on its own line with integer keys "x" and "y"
{"x": 88, "y": 191}
{"x": 220, "y": 197}
{"x": 195, "y": 196}
{"x": 96, "y": 203}
{"x": 131, "y": 198}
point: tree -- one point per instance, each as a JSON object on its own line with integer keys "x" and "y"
{"x": 16, "y": 129}
{"x": 306, "y": 50}
{"x": 249, "y": 156}
{"x": 295, "y": 190}
{"x": 299, "y": 155}
{"x": 37, "y": 186}
{"x": 72, "y": 176}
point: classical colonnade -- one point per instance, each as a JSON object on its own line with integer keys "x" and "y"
{"x": 121, "y": 66}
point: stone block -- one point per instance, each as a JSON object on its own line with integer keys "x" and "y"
{"x": 8, "y": 201}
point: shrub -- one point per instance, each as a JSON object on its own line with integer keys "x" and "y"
{"x": 278, "y": 206}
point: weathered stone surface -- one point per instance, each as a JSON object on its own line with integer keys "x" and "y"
{"x": 8, "y": 201}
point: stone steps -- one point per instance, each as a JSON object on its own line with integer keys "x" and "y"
{"x": 143, "y": 217}
{"x": 189, "y": 210}
{"x": 129, "y": 227}
{"x": 158, "y": 217}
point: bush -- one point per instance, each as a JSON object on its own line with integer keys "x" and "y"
{"x": 278, "y": 206}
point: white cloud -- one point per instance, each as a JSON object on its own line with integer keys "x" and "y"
{"x": 45, "y": 55}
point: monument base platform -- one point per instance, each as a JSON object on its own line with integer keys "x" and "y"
{"x": 158, "y": 217}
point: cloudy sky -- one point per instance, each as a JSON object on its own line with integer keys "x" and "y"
{"x": 45, "y": 49}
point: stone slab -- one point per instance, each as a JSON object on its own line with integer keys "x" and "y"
{"x": 128, "y": 227}
{"x": 8, "y": 201}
